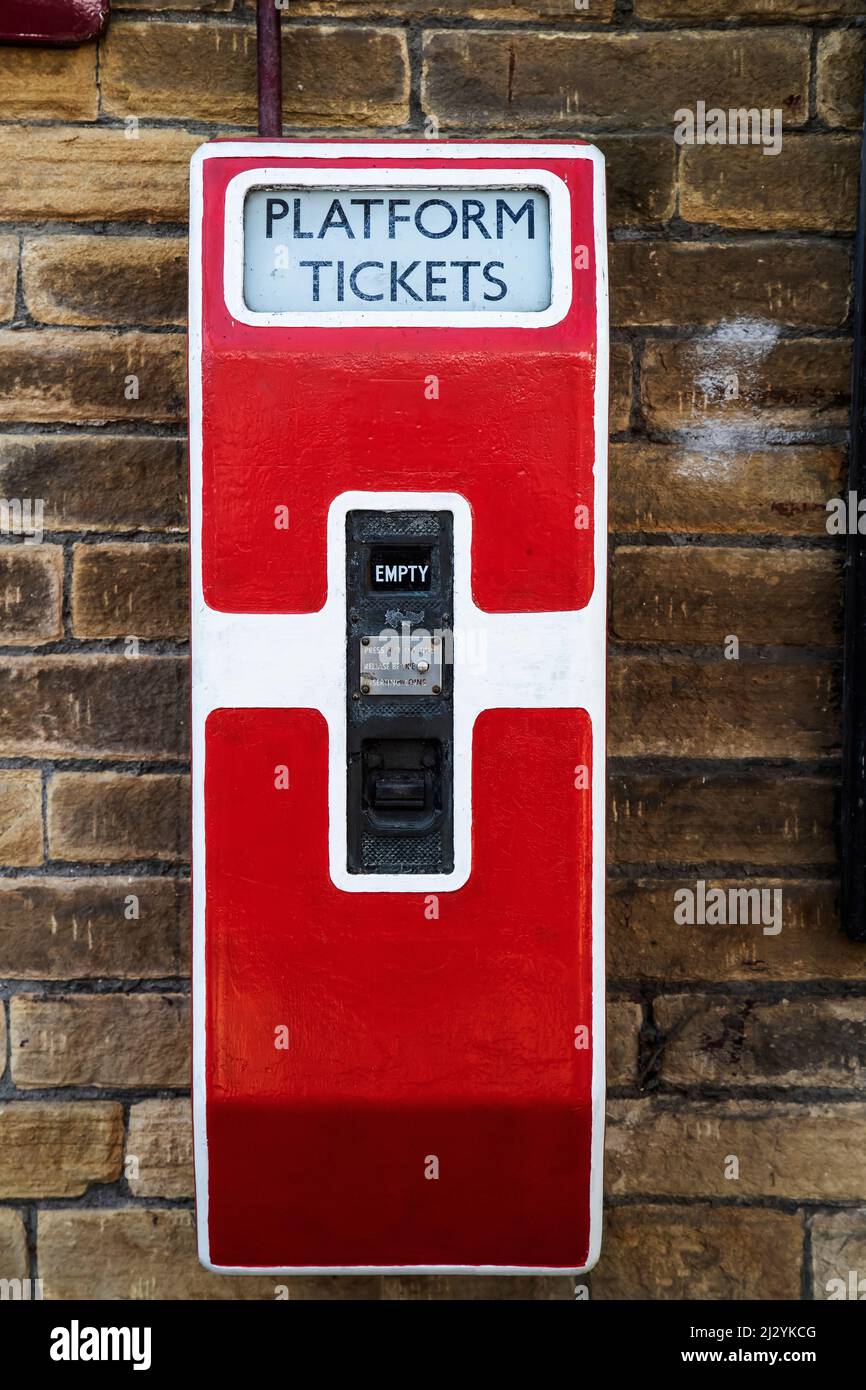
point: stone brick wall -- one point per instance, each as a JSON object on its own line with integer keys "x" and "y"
{"x": 737, "y": 1111}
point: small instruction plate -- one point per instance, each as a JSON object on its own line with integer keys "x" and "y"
{"x": 401, "y": 665}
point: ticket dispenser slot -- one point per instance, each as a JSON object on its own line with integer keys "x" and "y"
{"x": 400, "y": 690}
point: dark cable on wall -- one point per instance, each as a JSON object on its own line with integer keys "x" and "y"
{"x": 853, "y": 810}
{"x": 269, "y": 67}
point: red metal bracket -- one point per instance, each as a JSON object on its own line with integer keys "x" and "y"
{"x": 60, "y": 23}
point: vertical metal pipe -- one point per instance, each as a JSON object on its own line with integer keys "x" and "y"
{"x": 853, "y": 817}
{"x": 270, "y": 68}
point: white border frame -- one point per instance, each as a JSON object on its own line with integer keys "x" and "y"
{"x": 393, "y": 177}
{"x": 391, "y": 154}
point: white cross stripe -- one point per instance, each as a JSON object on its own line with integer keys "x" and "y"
{"x": 298, "y": 661}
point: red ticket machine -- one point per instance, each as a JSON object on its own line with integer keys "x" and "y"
{"x": 398, "y": 399}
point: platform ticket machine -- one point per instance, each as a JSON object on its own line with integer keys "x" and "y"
{"x": 398, "y": 400}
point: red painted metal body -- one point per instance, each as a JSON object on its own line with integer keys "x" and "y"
{"x": 60, "y": 22}
{"x": 410, "y": 1037}
{"x": 310, "y": 412}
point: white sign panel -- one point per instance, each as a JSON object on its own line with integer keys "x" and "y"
{"x": 389, "y": 250}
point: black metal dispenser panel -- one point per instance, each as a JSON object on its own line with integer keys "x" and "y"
{"x": 400, "y": 692}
